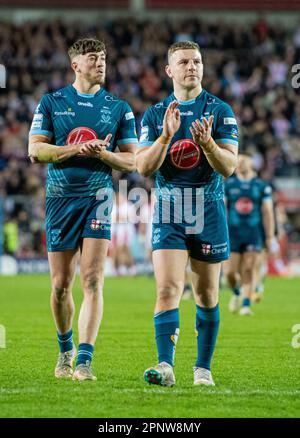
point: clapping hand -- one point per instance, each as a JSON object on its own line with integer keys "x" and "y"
{"x": 95, "y": 148}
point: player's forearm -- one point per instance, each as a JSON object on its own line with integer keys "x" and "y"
{"x": 221, "y": 160}
{"x": 124, "y": 161}
{"x": 149, "y": 160}
{"x": 268, "y": 221}
{"x": 46, "y": 153}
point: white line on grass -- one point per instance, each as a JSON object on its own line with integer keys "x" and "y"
{"x": 271, "y": 392}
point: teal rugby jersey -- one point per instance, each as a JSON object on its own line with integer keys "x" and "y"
{"x": 244, "y": 202}
{"x": 69, "y": 117}
{"x": 185, "y": 165}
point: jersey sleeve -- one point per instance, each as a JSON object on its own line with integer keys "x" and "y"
{"x": 266, "y": 192}
{"x": 42, "y": 121}
{"x": 148, "y": 131}
{"x": 127, "y": 130}
{"x": 226, "y": 129}
{"x": 226, "y": 190}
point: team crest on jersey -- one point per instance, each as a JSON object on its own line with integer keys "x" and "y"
{"x": 105, "y": 118}
{"x": 185, "y": 154}
{"x": 95, "y": 224}
{"x": 244, "y": 206}
{"x": 81, "y": 135}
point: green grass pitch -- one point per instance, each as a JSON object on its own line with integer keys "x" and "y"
{"x": 255, "y": 368}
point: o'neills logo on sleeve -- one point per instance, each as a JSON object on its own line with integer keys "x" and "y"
{"x": 185, "y": 154}
{"x": 81, "y": 135}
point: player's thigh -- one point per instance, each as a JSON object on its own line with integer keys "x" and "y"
{"x": 62, "y": 267}
{"x": 169, "y": 270}
{"x": 212, "y": 244}
{"x": 205, "y": 279}
{"x": 92, "y": 260}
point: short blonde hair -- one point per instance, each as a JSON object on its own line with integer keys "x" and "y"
{"x": 182, "y": 45}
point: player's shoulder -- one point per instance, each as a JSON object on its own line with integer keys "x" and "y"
{"x": 259, "y": 182}
{"x": 264, "y": 185}
{"x": 112, "y": 99}
{"x": 53, "y": 97}
{"x": 117, "y": 104}
{"x": 161, "y": 106}
{"x": 231, "y": 181}
{"x": 62, "y": 93}
{"x": 218, "y": 104}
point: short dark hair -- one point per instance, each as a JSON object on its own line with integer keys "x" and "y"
{"x": 182, "y": 45}
{"x": 86, "y": 45}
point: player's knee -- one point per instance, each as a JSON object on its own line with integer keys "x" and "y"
{"x": 61, "y": 288}
{"x": 231, "y": 275}
{"x": 169, "y": 291}
{"x": 248, "y": 272}
{"x": 207, "y": 297}
{"x": 92, "y": 282}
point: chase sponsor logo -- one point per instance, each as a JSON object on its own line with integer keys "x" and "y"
{"x": 89, "y": 104}
{"x": 96, "y": 225}
{"x": 209, "y": 249}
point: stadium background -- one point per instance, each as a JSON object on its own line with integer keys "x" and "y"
{"x": 249, "y": 48}
{"x": 248, "y": 60}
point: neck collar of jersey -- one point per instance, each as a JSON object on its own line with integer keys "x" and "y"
{"x": 86, "y": 95}
{"x": 247, "y": 180}
{"x": 191, "y": 101}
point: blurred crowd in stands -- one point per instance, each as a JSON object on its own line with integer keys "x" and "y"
{"x": 249, "y": 66}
